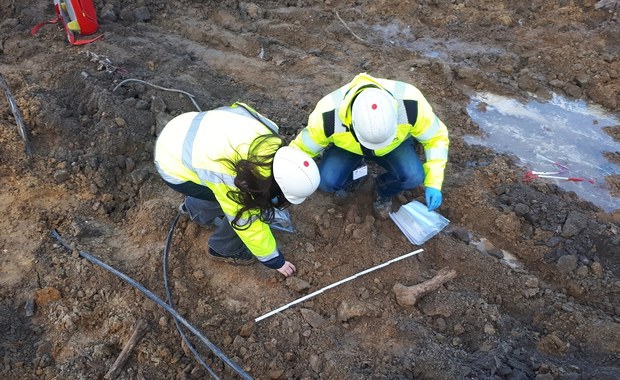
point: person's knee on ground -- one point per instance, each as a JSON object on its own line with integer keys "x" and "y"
{"x": 202, "y": 211}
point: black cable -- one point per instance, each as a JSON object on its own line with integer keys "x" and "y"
{"x": 171, "y": 302}
{"x": 234, "y": 366}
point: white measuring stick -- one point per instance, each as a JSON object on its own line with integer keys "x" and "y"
{"x": 336, "y": 284}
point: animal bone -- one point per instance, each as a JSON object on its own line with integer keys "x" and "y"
{"x": 409, "y": 295}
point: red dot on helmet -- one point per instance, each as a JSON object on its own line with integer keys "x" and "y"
{"x": 374, "y": 106}
{"x": 306, "y": 163}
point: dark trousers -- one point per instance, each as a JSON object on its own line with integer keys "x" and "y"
{"x": 204, "y": 209}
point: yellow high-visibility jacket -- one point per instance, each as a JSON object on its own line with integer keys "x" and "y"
{"x": 330, "y": 123}
{"x": 190, "y": 148}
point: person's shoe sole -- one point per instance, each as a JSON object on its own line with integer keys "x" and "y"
{"x": 182, "y": 210}
{"x": 231, "y": 260}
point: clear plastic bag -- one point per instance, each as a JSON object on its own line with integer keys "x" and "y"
{"x": 417, "y": 223}
{"x": 282, "y": 221}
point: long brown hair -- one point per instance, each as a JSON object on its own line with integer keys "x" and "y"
{"x": 256, "y": 192}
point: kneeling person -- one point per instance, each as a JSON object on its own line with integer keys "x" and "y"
{"x": 235, "y": 171}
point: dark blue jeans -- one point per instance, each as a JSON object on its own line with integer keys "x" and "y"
{"x": 403, "y": 169}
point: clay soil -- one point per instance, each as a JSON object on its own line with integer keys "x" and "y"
{"x": 537, "y": 289}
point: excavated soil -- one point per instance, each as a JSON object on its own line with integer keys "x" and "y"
{"x": 537, "y": 287}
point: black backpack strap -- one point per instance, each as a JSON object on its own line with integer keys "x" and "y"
{"x": 411, "y": 108}
{"x": 329, "y": 122}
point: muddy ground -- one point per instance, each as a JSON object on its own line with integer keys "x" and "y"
{"x": 537, "y": 291}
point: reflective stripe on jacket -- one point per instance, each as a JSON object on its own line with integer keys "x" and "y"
{"x": 190, "y": 148}
{"x": 330, "y": 123}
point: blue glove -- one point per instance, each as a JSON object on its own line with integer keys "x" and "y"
{"x": 433, "y": 198}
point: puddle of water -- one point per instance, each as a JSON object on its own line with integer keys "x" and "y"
{"x": 561, "y": 130}
{"x": 450, "y": 49}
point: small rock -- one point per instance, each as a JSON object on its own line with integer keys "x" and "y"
{"x": 557, "y": 83}
{"x": 441, "y": 324}
{"x": 459, "y": 329}
{"x": 138, "y": 176}
{"x": 461, "y": 234}
{"x": 527, "y": 83}
{"x": 251, "y": 11}
{"x": 365, "y": 294}
{"x": 554, "y": 241}
{"x": 582, "y": 271}
{"x": 142, "y": 14}
{"x": 108, "y": 13}
{"x": 349, "y": 310}
{"x": 297, "y": 284}
{"x": 567, "y": 263}
{"x": 158, "y": 105}
{"x": 574, "y": 224}
{"x": 142, "y": 104}
{"x": 552, "y": 344}
{"x": 597, "y": 269}
{"x": 316, "y": 364}
{"x": 551, "y": 257}
{"x": 466, "y": 72}
{"x": 120, "y": 122}
{"x": 531, "y": 282}
{"x": 574, "y": 290}
{"x": 276, "y": 373}
{"x": 47, "y": 295}
{"x": 604, "y": 94}
{"x": 521, "y": 209}
{"x": 489, "y": 329}
{"x": 198, "y": 274}
{"x": 130, "y": 102}
{"x": 313, "y": 318}
{"x": 246, "y": 329}
{"x": 61, "y": 176}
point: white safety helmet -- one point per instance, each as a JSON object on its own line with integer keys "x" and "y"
{"x": 374, "y": 118}
{"x": 296, "y": 173}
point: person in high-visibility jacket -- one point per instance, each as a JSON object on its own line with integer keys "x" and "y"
{"x": 379, "y": 120}
{"x": 231, "y": 163}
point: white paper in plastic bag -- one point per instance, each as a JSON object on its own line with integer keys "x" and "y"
{"x": 417, "y": 223}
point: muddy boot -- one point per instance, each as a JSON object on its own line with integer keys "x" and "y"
{"x": 341, "y": 197}
{"x": 344, "y": 196}
{"x": 382, "y": 207}
{"x": 243, "y": 258}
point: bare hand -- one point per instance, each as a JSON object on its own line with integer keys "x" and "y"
{"x": 287, "y": 269}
